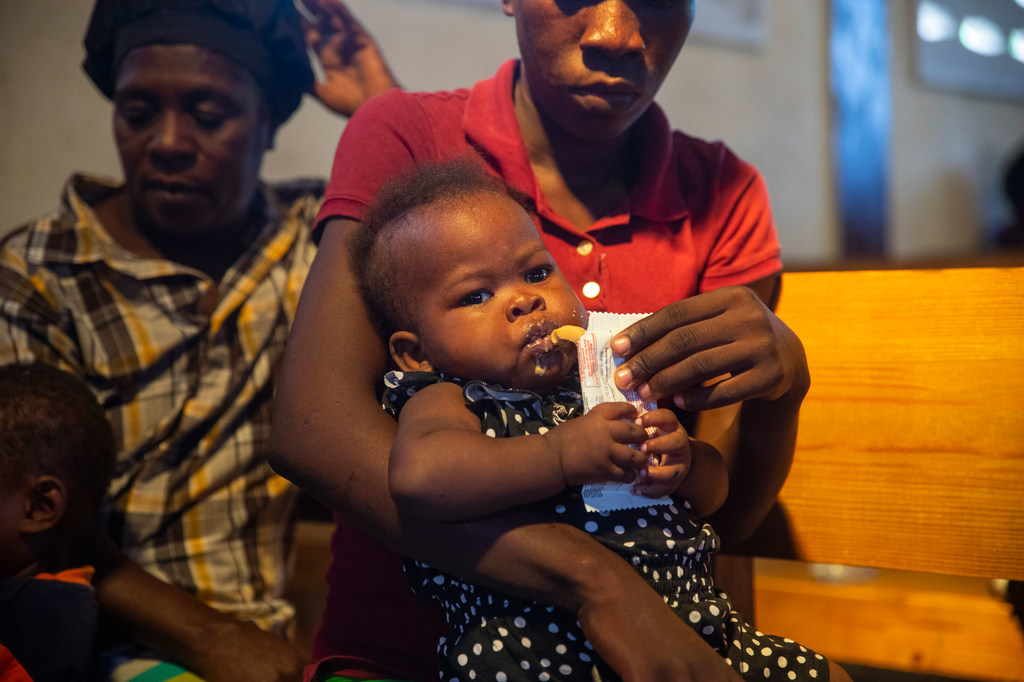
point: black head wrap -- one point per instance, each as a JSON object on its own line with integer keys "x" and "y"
{"x": 263, "y": 36}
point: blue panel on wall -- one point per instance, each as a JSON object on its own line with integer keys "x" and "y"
{"x": 861, "y": 121}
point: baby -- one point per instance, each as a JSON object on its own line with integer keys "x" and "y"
{"x": 56, "y": 458}
{"x": 490, "y": 418}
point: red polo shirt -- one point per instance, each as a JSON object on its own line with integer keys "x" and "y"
{"x": 697, "y": 219}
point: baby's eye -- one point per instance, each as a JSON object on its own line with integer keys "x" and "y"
{"x": 538, "y": 275}
{"x": 475, "y": 298}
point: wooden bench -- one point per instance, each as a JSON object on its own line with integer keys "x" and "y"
{"x": 910, "y": 457}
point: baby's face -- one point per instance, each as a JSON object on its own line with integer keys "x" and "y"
{"x": 491, "y": 294}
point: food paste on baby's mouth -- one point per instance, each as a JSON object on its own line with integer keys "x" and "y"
{"x": 568, "y": 332}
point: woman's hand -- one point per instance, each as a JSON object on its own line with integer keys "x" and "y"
{"x": 711, "y": 350}
{"x": 354, "y": 68}
{"x": 642, "y": 640}
{"x": 236, "y": 650}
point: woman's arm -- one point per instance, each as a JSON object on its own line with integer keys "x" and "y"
{"x": 706, "y": 486}
{"x": 332, "y": 438}
{"x": 176, "y": 624}
{"x": 442, "y": 467}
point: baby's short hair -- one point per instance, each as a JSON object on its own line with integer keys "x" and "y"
{"x": 51, "y": 424}
{"x": 378, "y": 269}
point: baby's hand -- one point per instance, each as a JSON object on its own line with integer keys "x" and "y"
{"x": 595, "y": 447}
{"x": 669, "y": 454}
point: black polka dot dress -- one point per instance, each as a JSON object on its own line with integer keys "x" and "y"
{"x": 493, "y": 636}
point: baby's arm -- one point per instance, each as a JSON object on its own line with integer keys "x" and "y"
{"x": 687, "y": 469}
{"x": 443, "y": 468}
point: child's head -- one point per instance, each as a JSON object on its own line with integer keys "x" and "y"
{"x": 57, "y": 455}
{"x": 456, "y": 273}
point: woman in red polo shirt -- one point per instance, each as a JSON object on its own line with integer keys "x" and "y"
{"x": 640, "y": 218}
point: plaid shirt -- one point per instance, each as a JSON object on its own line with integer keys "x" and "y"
{"x": 194, "y": 500}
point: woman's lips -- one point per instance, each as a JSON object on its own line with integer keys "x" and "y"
{"x": 176, "y": 196}
{"x": 174, "y": 188}
{"x": 611, "y": 96}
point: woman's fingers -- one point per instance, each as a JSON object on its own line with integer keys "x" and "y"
{"x": 726, "y": 347}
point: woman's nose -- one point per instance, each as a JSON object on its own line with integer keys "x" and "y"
{"x": 613, "y": 28}
{"x": 172, "y": 147}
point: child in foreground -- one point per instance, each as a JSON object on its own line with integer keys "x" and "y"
{"x": 490, "y": 418}
{"x": 56, "y": 458}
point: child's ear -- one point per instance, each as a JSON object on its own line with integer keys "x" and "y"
{"x": 408, "y": 354}
{"x": 47, "y": 499}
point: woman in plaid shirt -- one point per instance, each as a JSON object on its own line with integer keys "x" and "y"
{"x": 171, "y": 294}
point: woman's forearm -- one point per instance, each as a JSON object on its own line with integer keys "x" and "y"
{"x": 329, "y": 435}
{"x": 764, "y": 443}
{"x": 175, "y": 624}
{"x": 706, "y": 485}
{"x": 757, "y": 440}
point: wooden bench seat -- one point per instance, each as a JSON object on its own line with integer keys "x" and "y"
{"x": 910, "y": 456}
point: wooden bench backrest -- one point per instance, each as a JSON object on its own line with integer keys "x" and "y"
{"x": 910, "y": 452}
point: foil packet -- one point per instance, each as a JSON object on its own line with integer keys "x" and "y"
{"x": 597, "y": 365}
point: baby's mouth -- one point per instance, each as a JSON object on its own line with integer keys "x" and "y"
{"x": 538, "y": 338}
{"x": 546, "y": 356}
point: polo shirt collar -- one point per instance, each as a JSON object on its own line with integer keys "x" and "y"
{"x": 491, "y": 126}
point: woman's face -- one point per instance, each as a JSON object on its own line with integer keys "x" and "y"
{"x": 191, "y": 128}
{"x": 594, "y": 66}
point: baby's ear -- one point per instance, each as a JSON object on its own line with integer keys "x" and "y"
{"x": 45, "y": 505}
{"x": 407, "y": 352}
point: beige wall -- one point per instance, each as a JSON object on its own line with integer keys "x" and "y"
{"x": 949, "y": 153}
{"x": 770, "y": 104}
